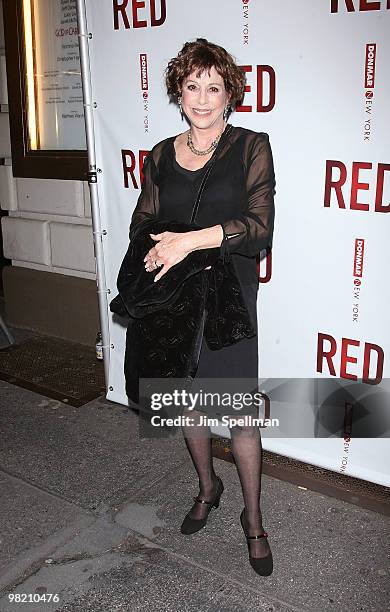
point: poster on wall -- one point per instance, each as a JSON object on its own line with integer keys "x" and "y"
{"x": 323, "y": 342}
{"x": 56, "y": 63}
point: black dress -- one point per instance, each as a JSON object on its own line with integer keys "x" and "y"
{"x": 238, "y": 195}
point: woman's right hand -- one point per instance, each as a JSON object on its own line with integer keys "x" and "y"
{"x": 171, "y": 248}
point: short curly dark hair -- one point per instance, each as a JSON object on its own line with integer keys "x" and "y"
{"x": 201, "y": 55}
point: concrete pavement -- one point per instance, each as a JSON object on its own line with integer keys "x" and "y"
{"x": 91, "y": 511}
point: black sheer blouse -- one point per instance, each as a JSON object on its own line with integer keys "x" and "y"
{"x": 238, "y": 195}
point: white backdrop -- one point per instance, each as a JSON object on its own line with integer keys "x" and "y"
{"x": 322, "y": 104}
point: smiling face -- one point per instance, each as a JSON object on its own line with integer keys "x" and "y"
{"x": 204, "y": 99}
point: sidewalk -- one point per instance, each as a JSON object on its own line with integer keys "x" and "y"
{"x": 91, "y": 511}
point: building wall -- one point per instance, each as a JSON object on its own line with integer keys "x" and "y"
{"x": 48, "y": 228}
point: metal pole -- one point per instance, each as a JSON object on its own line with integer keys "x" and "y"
{"x": 92, "y": 181}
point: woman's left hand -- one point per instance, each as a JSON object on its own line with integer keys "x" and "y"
{"x": 171, "y": 248}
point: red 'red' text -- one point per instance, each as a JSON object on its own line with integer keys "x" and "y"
{"x": 362, "y": 5}
{"x": 129, "y": 166}
{"x": 134, "y": 14}
{"x": 337, "y": 185}
{"x": 262, "y": 106}
{"x": 327, "y": 349}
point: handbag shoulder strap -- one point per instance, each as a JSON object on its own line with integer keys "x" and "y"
{"x": 202, "y": 185}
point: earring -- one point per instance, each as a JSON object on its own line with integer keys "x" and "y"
{"x": 226, "y": 111}
{"x": 180, "y": 108}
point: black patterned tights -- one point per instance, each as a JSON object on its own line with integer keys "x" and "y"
{"x": 246, "y": 449}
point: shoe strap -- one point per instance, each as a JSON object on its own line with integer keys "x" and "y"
{"x": 257, "y": 537}
{"x": 202, "y": 501}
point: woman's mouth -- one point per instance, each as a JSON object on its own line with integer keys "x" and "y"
{"x": 201, "y": 113}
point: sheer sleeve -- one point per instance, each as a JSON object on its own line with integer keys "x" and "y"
{"x": 252, "y": 230}
{"x": 147, "y": 206}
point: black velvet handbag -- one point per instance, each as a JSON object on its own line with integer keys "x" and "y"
{"x": 166, "y": 319}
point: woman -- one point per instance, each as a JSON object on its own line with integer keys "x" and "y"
{"x": 236, "y": 214}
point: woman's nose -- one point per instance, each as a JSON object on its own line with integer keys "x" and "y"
{"x": 202, "y": 97}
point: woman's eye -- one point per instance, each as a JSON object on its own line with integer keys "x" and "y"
{"x": 215, "y": 89}
{"x": 191, "y": 87}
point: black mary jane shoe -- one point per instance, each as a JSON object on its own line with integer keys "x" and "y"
{"x": 262, "y": 565}
{"x": 191, "y": 525}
